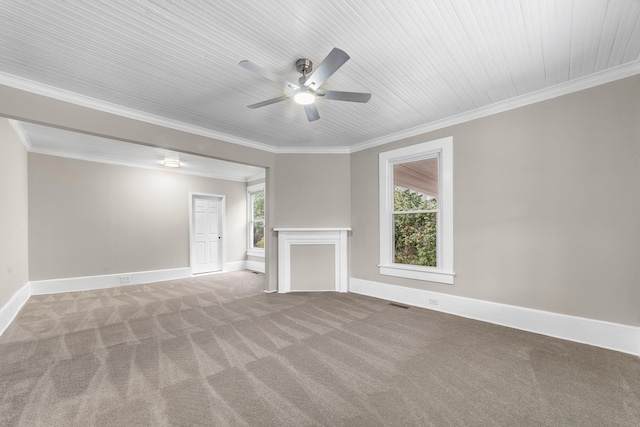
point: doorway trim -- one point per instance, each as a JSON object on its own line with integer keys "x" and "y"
{"x": 223, "y": 227}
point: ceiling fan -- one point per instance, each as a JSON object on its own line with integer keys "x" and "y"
{"x": 308, "y": 88}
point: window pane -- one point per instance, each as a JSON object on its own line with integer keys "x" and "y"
{"x": 408, "y": 200}
{"x": 416, "y": 185}
{"x": 258, "y": 234}
{"x": 257, "y": 200}
{"x": 415, "y": 239}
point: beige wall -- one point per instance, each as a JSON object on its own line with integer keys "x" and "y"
{"x": 14, "y": 264}
{"x": 313, "y": 268}
{"x": 313, "y": 190}
{"x": 90, "y": 218}
{"x": 546, "y": 206}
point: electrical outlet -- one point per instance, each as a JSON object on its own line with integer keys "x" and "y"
{"x": 433, "y": 301}
{"x": 124, "y": 279}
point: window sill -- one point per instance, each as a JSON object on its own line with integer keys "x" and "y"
{"x": 256, "y": 252}
{"x": 417, "y": 273}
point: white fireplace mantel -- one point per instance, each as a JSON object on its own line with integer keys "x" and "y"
{"x": 312, "y": 236}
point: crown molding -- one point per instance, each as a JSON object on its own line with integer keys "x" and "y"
{"x": 108, "y": 107}
{"x": 561, "y": 89}
{"x": 571, "y": 86}
{"x": 313, "y": 150}
{"x": 22, "y": 135}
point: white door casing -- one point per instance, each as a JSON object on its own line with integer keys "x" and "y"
{"x": 206, "y": 232}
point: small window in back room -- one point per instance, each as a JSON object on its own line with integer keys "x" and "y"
{"x": 256, "y": 231}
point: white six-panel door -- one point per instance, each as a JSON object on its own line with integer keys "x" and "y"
{"x": 206, "y": 233}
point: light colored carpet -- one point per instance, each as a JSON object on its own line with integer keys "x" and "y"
{"x": 217, "y": 351}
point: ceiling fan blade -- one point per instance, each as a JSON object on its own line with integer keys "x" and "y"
{"x": 312, "y": 112}
{"x": 344, "y": 96}
{"x": 329, "y": 65}
{"x": 269, "y": 102}
{"x": 266, "y": 74}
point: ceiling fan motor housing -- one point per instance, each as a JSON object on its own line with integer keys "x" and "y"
{"x": 304, "y": 66}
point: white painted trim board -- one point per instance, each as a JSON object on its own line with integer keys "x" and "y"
{"x": 255, "y": 266}
{"x": 10, "y": 310}
{"x": 89, "y": 283}
{"x": 613, "y": 336}
{"x": 234, "y": 266}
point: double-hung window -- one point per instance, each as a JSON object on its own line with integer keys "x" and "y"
{"x": 416, "y": 211}
{"x": 255, "y": 215}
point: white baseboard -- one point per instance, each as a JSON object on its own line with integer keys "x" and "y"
{"x": 235, "y": 266}
{"x": 255, "y": 266}
{"x": 9, "y": 311}
{"x": 613, "y": 336}
{"x": 87, "y": 283}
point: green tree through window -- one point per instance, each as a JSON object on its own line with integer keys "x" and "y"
{"x": 257, "y": 219}
{"x": 415, "y": 228}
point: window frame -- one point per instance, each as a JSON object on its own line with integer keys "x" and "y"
{"x": 251, "y": 190}
{"x": 443, "y": 272}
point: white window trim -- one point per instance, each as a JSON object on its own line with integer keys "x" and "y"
{"x": 251, "y": 251}
{"x": 444, "y": 272}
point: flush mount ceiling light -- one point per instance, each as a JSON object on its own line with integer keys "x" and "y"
{"x": 171, "y": 161}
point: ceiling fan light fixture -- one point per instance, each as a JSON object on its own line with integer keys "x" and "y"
{"x": 304, "y": 98}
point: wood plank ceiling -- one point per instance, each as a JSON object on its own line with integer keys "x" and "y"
{"x": 423, "y": 61}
